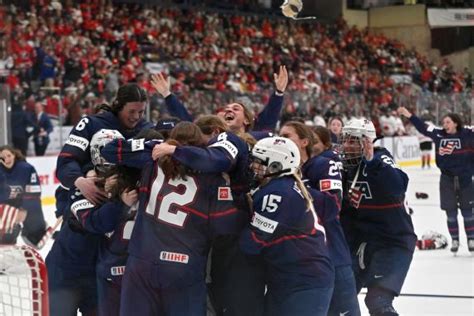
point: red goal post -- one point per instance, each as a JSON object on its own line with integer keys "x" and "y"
{"x": 23, "y": 282}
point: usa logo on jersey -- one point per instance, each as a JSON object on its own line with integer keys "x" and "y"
{"x": 359, "y": 191}
{"x": 447, "y": 146}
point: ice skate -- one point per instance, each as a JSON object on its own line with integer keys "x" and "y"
{"x": 470, "y": 245}
{"x": 455, "y": 246}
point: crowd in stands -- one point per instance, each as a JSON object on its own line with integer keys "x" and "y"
{"x": 77, "y": 53}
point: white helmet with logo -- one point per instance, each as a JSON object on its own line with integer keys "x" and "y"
{"x": 98, "y": 141}
{"x": 360, "y": 127}
{"x": 279, "y": 155}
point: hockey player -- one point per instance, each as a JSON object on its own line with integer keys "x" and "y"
{"x": 180, "y": 212}
{"x": 24, "y": 193}
{"x": 126, "y": 117}
{"x": 454, "y": 146}
{"x": 285, "y": 232}
{"x": 71, "y": 263}
{"x": 379, "y": 229}
{"x": 236, "y": 115}
{"x": 113, "y": 220}
{"x": 323, "y": 175}
{"x": 238, "y": 283}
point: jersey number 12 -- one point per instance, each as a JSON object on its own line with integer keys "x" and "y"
{"x": 163, "y": 212}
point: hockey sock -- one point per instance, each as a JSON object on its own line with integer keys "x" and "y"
{"x": 453, "y": 226}
{"x": 469, "y": 225}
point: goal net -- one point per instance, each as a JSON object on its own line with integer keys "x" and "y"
{"x": 23, "y": 282}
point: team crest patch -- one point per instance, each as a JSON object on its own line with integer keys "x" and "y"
{"x": 174, "y": 257}
{"x": 448, "y": 145}
{"x": 224, "y": 194}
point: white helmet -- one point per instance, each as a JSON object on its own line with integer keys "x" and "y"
{"x": 351, "y": 146}
{"x": 279, "y": 155}
{"x": 99, "y": 140}
{"x": 360, "y": 128}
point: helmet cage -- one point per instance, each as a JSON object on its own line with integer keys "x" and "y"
{"x": 98, "y": 141}
{"x": 350, "y": 150}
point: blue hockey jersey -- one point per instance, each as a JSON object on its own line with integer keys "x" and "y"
{"x": 373, "y": 207}
{"x": 4, "y": 188}
{"x": 176, "y": 222}
{"x": 225, "y": 153}
{"x": 287, "y": 235}
{"x": 113, "y": 221}
{"x": 324, "y": 174}
{"x": 134, "y": 153}
{"x": 454, "y": 153}
{"x": 24, "y": 186}
{"x": 76, "y": 150}
{"x": 327, "y": 209}
{"x": 75, "y": 250}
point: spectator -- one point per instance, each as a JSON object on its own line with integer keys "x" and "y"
{"x": 335, "y": 127}
{"x": 21, "y": 127}
{"x": 42, "y": 129}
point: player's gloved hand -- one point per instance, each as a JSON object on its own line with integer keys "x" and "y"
{"x": 88, "y": 188}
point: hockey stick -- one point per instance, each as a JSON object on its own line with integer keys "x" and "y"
{"x": 49, "y": 232}
{"x": 434, "y": 295}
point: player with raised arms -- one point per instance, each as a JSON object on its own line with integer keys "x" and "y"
{"x": 454, "y": 147}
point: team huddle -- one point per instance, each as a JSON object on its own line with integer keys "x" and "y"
{"x": 216, "y": 215}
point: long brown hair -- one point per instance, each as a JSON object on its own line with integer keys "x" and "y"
{"x": 184, "y": 133}
{"x": 128, "y": 177}
{"x": 304, "y": 132}
{"x": 211, "y": 123}
{"x": 16, "y": 152}
{"x": 324, "y": 135}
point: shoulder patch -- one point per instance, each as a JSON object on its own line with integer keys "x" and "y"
{"x": 77, "y": 141}
{"x": 224, "y": 194}
{"x": 330, "y": 184}
{"x": 228, "y": 146}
